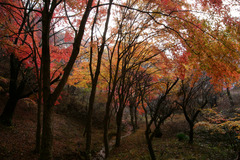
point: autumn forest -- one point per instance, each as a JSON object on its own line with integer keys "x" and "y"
{"x": 120, "y": 80}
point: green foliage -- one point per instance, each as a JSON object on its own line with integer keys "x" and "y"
{"x": 182, "y": 136}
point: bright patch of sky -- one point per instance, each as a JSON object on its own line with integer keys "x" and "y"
{"x": 234, "y": 7}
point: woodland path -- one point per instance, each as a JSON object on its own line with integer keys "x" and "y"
{"x": 101, "y": 154}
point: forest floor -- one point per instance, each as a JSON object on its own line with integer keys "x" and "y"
{"x": 18, "y": 142}
{"x": 168, "y": 147}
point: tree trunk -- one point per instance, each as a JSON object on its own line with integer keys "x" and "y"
{"x": 132, "y": 118}
{"x": 105, "y": 134}
{"x": 50, "y": 98}
{"x": 47, "y": 135}
{"x": 89, "y": 134}
{"x": 89, "y": 120}
{"x": 230, "y": 98}
{"x": 158, "y": 132}
{"x": 150, "y": 148}
{"x": 106, "y": 124}
{"x": 39, "y": 110}
{"x": 7, "y": 115}
{"x": 136, "y": 117}
{"x": 191, "y": 125}
{"x": 94, "y": 85}
{"x": 39, "y": 126}
{"x": 14, "y": 92}
{"x": 119, "y": 126}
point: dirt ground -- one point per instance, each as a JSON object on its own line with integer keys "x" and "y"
{"x": 18, "y": 141}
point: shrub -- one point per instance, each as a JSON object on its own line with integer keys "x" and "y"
{"x": 182, "y": 136}
{"x": 227, "y": 132}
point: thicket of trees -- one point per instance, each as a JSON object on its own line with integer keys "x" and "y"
{"x": 150, "y": 56}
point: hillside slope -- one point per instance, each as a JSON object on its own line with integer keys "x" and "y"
{"x": 18, "y": 142}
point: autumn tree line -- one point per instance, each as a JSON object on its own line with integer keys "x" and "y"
{"x": 150, "y": 56}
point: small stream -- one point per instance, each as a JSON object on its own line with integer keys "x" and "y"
{"x": 101, "y": 154}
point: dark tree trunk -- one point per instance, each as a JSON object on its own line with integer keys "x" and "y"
{"x": 136, "y": 117}
{"x": 39, "y": 126}
{"x": 89, "y": 120}
{"x": 106, "y": 123}
{"x": 150, "y": 148}
{"x": 158, "y": 132}
{"x": 50, "y": 98}
{"x": 191, "y": 125}
{"x": 14, "y": 92}
{"x": 7, "y": 115}
{"x": 39, "y": 110}
{"x": 148, "y": 136}
{"x": 89, "y": 133}
{"x": 230, "y": 97}
{"x": 132, "y": 118}
{"x": 119, "y": 126}
{"x": 47, "y": 135}
{"x": 94, "y": 85}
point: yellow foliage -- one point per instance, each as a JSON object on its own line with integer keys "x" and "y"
{"x": 222, "y": 128}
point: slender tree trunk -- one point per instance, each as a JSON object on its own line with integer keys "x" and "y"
{"x": 106, "y": 124}
{"x": 39, "y": 108}
{"x": 132, "y": 118}
{"x": 119, "y": 126}
{"x": 89, "y": 133}
{"x": 39, "y": 126}
{"x": 89, "y": 119}
{"x": 94, "y": 84}
{"x": 147, "y": 135}
{"x": 150, "y": 148}
{"x": 136, "y": 117}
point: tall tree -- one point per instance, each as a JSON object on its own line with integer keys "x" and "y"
{"x": 94, "y": 76}
{"x": 49, "y": 98}
{"x": 155, "y": 113}
{"x": 129, "y": 50}
{"x": 17, "y": 44}
{"x": 193, "y": 97}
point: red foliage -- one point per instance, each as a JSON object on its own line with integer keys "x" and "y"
{"x": 214, "y": 3}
